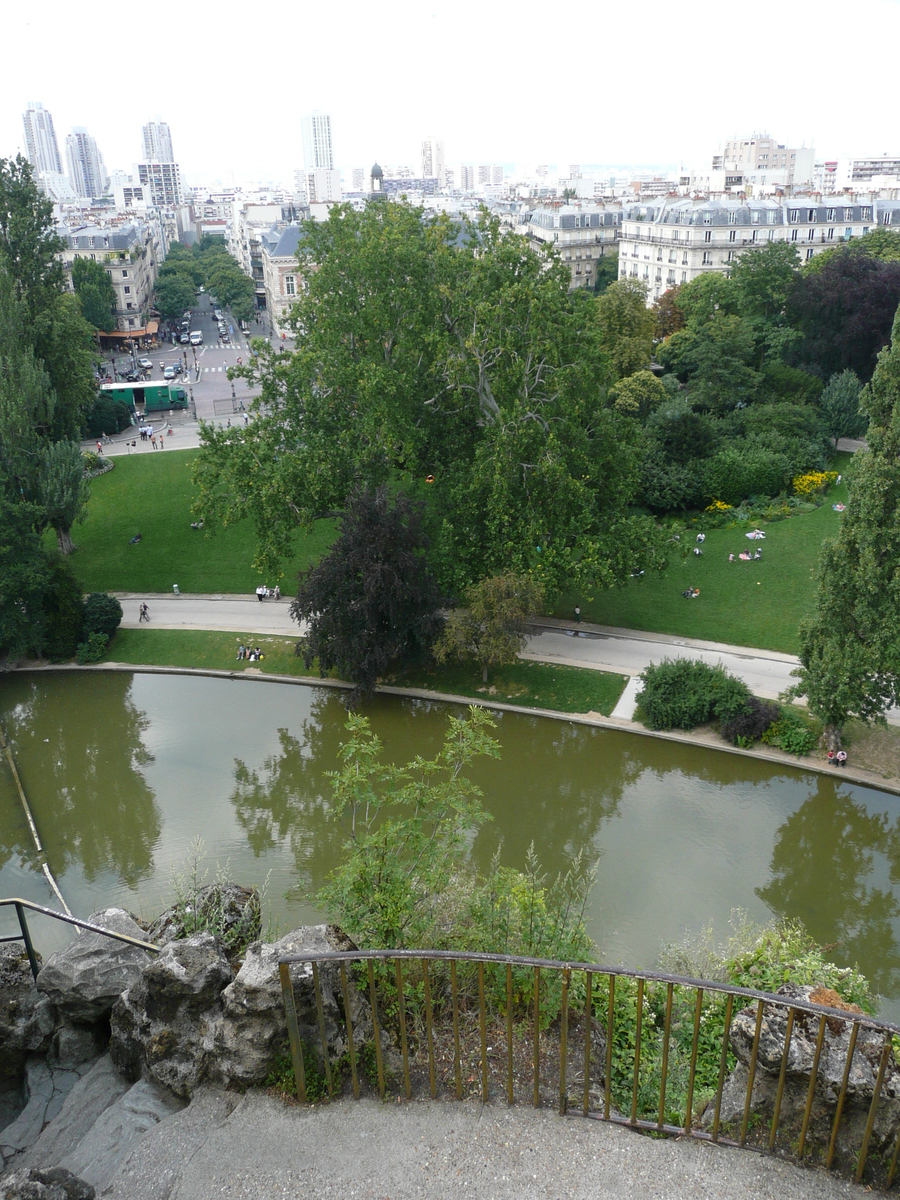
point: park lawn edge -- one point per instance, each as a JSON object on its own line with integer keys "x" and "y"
{"x": 578, "y": 690}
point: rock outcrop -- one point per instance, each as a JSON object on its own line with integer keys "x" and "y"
{"x": 26, "y": 1017}
{"x": 254, "y": 1031}
{"x": 861, "y": 1082}
{"x": 87, "y": 977}
{"x": 56, "y": 1184}
{"x": 233, "y": 913}
{"x": 163, "y": 1026}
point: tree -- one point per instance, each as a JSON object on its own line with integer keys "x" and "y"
{"x": 24, "y": 576}
{"x": 27, "y": 400}
{"x": 64, "y": 490}
{"x": 850, "y": 647}
{"x": 102, "y": 614}
{"x": 491, "y": 630}
{"x": 371, "y": 601}
{"x": 844, "y": 310}
{"x": 626, "y": 326}
{"x": 175, "y": 293}
{"x": 406, "y": 831}
{"x": 607, "y": 271}
{"x": 451, "y": 358}
{"x": 94, "y": 289}
{"x": 839, "y": 405}
{"x": 638, "y": 395}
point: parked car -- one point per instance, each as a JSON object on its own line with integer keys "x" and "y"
{"x": 196, "y": 338}
{"x": 185, "y": 339}
{"x": 219, "y": 315}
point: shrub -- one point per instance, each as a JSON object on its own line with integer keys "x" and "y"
{"x": 792, "y": 734}
{"x": 108, "y": 416}
{"x": 813, "y": 482}
{"x": 748, "y": 727}
{"x": 739, "y": 471}
{"x": 102, "y": 614}
{"x": 93, "y": 649}
{"x": 682, "y": 693}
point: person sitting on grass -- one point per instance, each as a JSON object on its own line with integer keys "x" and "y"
{"x": 134, "y": 541}
{"x": 242, "y": 652}
{"x": 841, "y": 757}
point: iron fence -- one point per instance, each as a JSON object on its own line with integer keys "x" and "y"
{"x": 24, "y": 934}
{"x": 416, "y": 1000}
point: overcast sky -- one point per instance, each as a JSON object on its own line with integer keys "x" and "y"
{"x": 655, "y": 83}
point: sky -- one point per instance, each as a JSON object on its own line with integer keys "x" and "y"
{"x": 655, "y": 84}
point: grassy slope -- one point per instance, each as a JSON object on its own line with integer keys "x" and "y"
{"x": 746, "y": 604}
{"x": 538, "y": 685}
{"x": 152, "y": 494}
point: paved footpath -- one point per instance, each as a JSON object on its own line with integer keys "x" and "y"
{"x": 262, "y": 1150}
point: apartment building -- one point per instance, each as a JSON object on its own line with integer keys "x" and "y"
{"x": 676, "y": 241}
{"x": 163, "y": 183}
{"x": 130, "y": 253}
{"x": 581, "y": 234}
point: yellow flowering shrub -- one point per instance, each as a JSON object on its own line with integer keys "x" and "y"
{"x": 718, "y": 506}
{"x": 814, "y": 481}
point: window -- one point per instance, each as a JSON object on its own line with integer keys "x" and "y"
{"x": 707, "y": 218}
{"x": 130, "y": 322}
{"x": 659, "y": 275}
{"x": 127, "y": 290}
{"x": 770, "y": 217}
{"x": 676, "y": 235}
{"x": 109, "y": 273}
{"x": 886, "y": 219}
{"x": 755, "y": 235}
{"x": 810, "y": 252}
{"x": 810, "y": 214}
{"x": 732, "y": 217}
{"x": 794, "y": 235}
{"x": 730, "y": 256}
{"x": 866, "y": 214}
{"x": 810, "y": 235}
{"x": 830, "y": 215}
{"x": 848, "y": 214}
{"x": 732, "y": 235}
{"x": 848, "y": 234}
{"x": 794, "y": 215}
{"x": 754, "y": 217}
{"x": 659, "y": 254}
{"x": 673, "y": 257}
{"x": 129, "y": 305}
{"x": 771, "y": 235}
{"x": 684, "y": 276}
{"x": 670, "y": 277}
{"x": 865, "y": 230}
{"x": 707, "y": 258}
{"x": 707, "y": 237}
{"x": 831, "y": 235}
{"x": 124, "y": 274}
{"x": 684, "y": 259}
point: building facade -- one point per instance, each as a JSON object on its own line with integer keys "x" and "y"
{"x": 677, "y": 241}
{"x": 162, "y": 180}
{"x": 581, "y": 234}
{"x": 130, "y": 254}
{"x": 283, "y": 276}
{"x": 433, "y": 162}
{"x": 41, "y": 145}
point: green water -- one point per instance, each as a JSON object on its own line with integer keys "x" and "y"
{"x": 123, "y": 772}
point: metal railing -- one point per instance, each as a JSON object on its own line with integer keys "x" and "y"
{"x": 24, "y": 934}
{"x": 426, "y": 1004}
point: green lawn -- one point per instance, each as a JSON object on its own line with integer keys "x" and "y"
{"x": 151, "y": 494}
{"x": 533, "y": 685}
{"x": 747, "y": 604}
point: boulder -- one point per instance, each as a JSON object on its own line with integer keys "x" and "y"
{"x": 163, "y": 1026}
{"x": 231, "y": 912}
{"x": 253, "y": 1032}
{"x": 45, "y": 1090}
{"x": 91, "y": 1096}
{"x": 56, "y": 1184}
{"x": 26, "y": 1017}
{"x": 860, "y": 1086}
{"x": 85, "y": 979}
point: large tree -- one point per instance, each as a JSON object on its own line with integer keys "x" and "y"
{"x": 839, "y": 405}
{"x": 850, "y": 647}
{"x": 175, "y": 294}
{"x": 455, "y": 359}
{"x": 64, "y": 490}
{"x": 94, "y": 289}
{"x": 372, "y": 601}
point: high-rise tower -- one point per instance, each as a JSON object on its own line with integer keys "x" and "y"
{"x": 157, "y": 142}
{"x": 317, "y": 152}
{"x": 433, "y": 164}
{"x": 87, "y": 171}
{"x": 40, "y": 139}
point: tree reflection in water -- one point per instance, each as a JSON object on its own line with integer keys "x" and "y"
{"x": 530, "y": 792}
{"x": 79, "y": 750}
{"x": 832, "y": 866}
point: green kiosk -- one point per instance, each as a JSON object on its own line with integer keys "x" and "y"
{"x": 144, "y": 398}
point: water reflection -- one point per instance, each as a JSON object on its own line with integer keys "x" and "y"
{"x": 82, "y": 764}
{"x": 833, "y": 863}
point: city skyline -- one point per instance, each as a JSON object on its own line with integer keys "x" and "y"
{"x": 668, "y": 96}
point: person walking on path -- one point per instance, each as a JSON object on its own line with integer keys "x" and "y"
{"x": 143, "y": 614}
